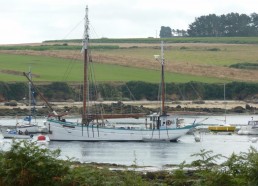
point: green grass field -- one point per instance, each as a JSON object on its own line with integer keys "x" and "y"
{"x": 56, "y": 69}
{"x": 124, "y": 60}
{"x": 223, "y": 55}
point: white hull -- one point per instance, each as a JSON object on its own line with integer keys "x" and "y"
{"x": 61, "y": 131}
{"x": 15, "y": 136}
{"x": 248, "y": 130}
{"x": 31, "y": 129}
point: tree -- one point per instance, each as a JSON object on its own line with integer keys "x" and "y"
{"x": 205, "y": 26}
{"x": 165, "y": 32}
{"x": 232, "y": 24}
{"x": 254, "y": 23}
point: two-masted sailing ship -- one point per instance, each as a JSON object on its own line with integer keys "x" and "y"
{"x": 161, "y": 127}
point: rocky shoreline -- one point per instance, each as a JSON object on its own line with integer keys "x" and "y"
{"x": 148, "y": 107}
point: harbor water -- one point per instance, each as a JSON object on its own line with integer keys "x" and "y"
{"x": 155, "y": 154}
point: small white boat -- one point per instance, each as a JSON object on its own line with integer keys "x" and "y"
{"x": 250, "y": 129}
{"x": 14, "y": 134}
{"x": 31, "y": 128}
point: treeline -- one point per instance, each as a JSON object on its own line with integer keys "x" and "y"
{"x": 212, "y": 25}
{"x": 232, "y": 24}
{"x": 59, "y": 91}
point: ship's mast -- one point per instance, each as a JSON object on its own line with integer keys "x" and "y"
{"x": 29, "y": 95}
{"x": 163, "y": 112}
{"x": 225, "y": 121}
{"x": 161, "y": 59}
{"x": 85, "y": 57}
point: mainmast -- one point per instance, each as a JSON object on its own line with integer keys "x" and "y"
{"x": 85, "y": 57}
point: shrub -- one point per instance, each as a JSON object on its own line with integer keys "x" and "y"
{"x": 213, "y": 49}
{"x": 245, "y": 65}
{"x": 12, "y": 103}
{"x": 28, "y": 164}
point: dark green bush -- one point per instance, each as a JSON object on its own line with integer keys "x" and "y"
{"x": 213, "y": 49}
{"x": 28, "y": 164}
{"x": 249, "y": 66}
{"x": 136, "y": 90}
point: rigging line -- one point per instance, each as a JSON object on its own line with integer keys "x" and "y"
{"x": 92, "y": 70}
{"x": 130, "y": 95}
{"x": 183, "y": 97}
{"x": 165, "y": 91}
{"x": 73, "y": 29}
{"x": 195, "y": 91}
{"x": 91, "y": 89}
{"x": 101, "y": 109}
{"x": 92, "y": 28}
{"x": 130, "y": 92}
{"x": 159, "y": 98}
{"x": 70, "y": 66}
{"x": 68, "y": 69}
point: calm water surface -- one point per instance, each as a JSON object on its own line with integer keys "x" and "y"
{"x": 154, "y": 153}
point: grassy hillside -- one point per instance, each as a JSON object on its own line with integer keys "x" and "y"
{"x": 48, "y": 69}
{"x": 213, "y": 60}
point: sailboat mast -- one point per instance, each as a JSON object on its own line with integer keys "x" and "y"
{"x": 163, "y": 112}
{"x": 29, "y": 95}
{"x": 225, "y": 104}
{"x": 85, "y": 59}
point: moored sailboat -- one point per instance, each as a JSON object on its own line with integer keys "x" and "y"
{"x": 224, "y": 128}
{"x": 164, "y": 127}
{"x": 30, "y": 124}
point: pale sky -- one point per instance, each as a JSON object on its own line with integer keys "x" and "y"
{"x": 30, "y": 21}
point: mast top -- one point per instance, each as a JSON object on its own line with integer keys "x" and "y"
{"x": 86, "y": 29}
{"x": 160, "y": 58}
{"x": 162, "y": 54}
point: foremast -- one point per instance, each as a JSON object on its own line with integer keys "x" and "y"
{"x": 85, "y": 68}
{"x": 162, "y": 61}
{"x": 160, "y": 58}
